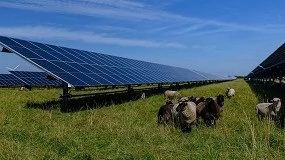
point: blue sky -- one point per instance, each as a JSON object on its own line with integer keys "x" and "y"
{"x": 215, "y": 36}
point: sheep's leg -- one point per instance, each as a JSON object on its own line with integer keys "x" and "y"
{"x": 159, "y": 120}
{"x": 214, "y": 122}
{"x": 258, "y": 117}
{"x": 207, "y": 122}
{"x": 197, "y": 122}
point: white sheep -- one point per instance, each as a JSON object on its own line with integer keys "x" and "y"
{"x": 186, "y": 115}
{"x": 230, "y": 92}
{"x": 172, "y": 95}
{"x": 268, "y": 109}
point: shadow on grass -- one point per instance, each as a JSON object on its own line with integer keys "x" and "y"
{"x": 104, "y": 99}
{"x": 266, "y": 92}
{"x": 83, "y": 103}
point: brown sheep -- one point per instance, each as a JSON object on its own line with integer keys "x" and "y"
{"x": 164, "y": 115}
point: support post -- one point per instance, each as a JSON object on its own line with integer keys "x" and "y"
{"x": 65, "y": 96}
{"x": 159, "y": 86}
{"x": 280, "y": 77}
{"x": 177, "y": 85}
{"x": 188, "y": 84}
{"x": 130, "y": 91}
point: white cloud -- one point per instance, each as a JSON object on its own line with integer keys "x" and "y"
{"x": 110, "y": 9}
{"x": 42, "y": 32}
{"x": 191, "y": 28}
{"x": 137, "y": 12}
{"x": 110, "y": 28}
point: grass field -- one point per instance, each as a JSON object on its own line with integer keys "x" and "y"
{"x": 129, "y": 130}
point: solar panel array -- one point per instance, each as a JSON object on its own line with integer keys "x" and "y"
{"x": 35, "y": 78}
{"x": 209, "y": 76}
{"x": 276, "y": 58}
{"x": 84, "y": 68}
{"x": 9, "y": 80}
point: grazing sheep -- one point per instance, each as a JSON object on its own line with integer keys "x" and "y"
{"x": 186, "y": 115}
{"x": 268, "y": 110}
{"x": 172, "y": 95}
{"x": 230, "y": 92}
{"x": 164, "y": 115}
{"x": 202, "y": 111}
{"x": 212, "y": 109}
{"x": 201, "y": 103}
{"x": 221, "y": 102}
{"x": 24, "y": 88}
{"x": 143, "y": 95}
{"x": 174, "y": 115}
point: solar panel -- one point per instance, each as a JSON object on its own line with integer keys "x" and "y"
{"x": 276, "y": 58}
{"x": 10, "y": 80}
{"x": 209, "y": 76}
{"x": 35, "y": 78}
{"x": 84, "y": 68}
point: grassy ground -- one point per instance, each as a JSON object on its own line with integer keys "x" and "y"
{"x": 129, "y": 130}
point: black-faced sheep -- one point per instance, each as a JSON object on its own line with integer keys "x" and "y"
{"x": 268, "y": 110}
{"x": 164, "y": 115}
{"x": 186, "y": 115}
{"x": 230, "y": 92}
{"x": 172, "y": 95}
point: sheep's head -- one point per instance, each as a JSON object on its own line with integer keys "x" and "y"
{"x": 208, "y": 101}
{"x": 183, "y": 99}
{"x": 276, "y": 100}
{"x": 192, "y": 99}
{"x": 220, "y": 100}
{"x": 181, "y": 107}
{"x": 168, "y": 102}
{"x": 201, "y": 99}
{"x": 276, "y": 104}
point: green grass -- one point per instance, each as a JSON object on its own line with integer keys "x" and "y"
{"x": 129, "y": 130}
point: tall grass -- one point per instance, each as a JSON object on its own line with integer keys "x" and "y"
{"x": 129, "y": 130}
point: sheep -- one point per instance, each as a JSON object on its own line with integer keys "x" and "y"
{"x": 143, "y": 95}
{"x": 268, "y": 110}
{"x": 201, "y": 103}
{"x": 220, "y": 101}
{"x": 186, "y": 115}
{"x": 22, "y": 88}
{"x": 211, "y": 110}
{"x": 25, "y": 88}
{"x": 174, "y": 114}
{"x": 230, "y": 92}
{"x": 164, "y": 115}
{"x": 172, "y": 95}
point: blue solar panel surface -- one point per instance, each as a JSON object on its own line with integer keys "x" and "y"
{"x": 35, "y": 78}
{"x": 10, "y": 80}
{"x": 84, "y": 68}
{"x": 209, "y": 76}
{"x": 276, "y": 58}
